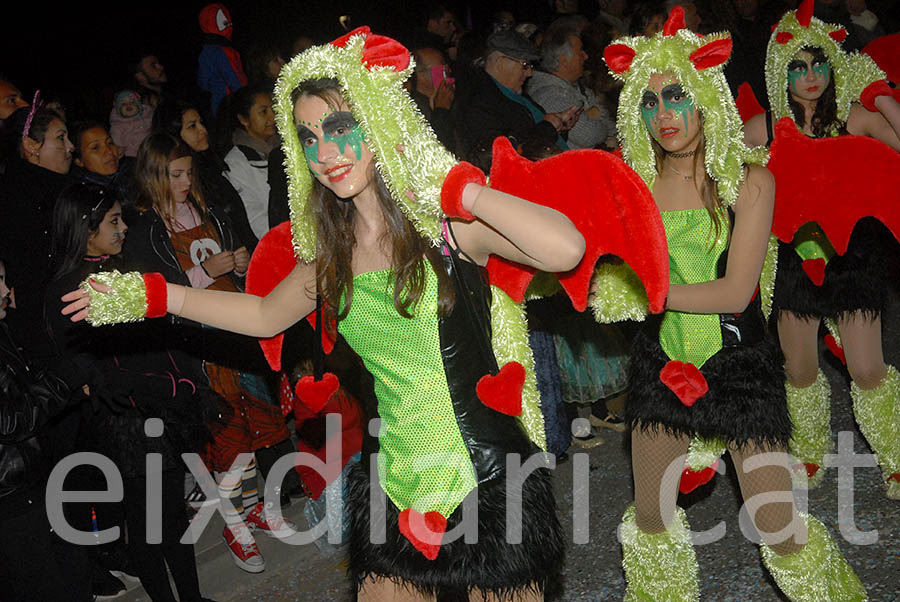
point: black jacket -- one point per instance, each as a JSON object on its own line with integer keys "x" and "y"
{"x": 29, "y": 399}
{"x": 148, "y": 248}
{"x": 219, "y": 192}
{"x": 28, "y": 194}
{"x": 485, "y": 113}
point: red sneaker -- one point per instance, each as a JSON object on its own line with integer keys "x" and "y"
{"x": 243, "y": 548}
{"x": 260, "y": 519}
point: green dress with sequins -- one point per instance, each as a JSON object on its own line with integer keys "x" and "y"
{"x": 423, "y": 462}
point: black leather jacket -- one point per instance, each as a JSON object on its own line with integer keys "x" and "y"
{"x": 28, "y": 400}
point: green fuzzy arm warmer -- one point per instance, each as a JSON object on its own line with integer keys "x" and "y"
{"x": 618, "y": 294}
{"x": 127, "y": 302}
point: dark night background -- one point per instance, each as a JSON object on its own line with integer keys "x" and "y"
{"x": 79, "y": 50}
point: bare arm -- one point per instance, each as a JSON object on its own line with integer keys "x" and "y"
{"x": 883, "y": 124}
{"x": 753, "y": 223}
{"x": 517, "y": 230}
{"x": 755, "y": 131}
{"x": 248, "y": 314}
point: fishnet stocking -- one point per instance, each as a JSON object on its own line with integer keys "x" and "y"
{"x": 776, "y": 519}
{"x": 379, "y": 589}
{"x": 799, "y": 343}
{"x": 861, "y": 339}
{"x": 528, "y": 595}
{"x": 656, "y": 460}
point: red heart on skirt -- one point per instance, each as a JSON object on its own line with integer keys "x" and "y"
{"x": 832, "y": 345}
{"x": 503, "y": 391}
{"x": 424, "y": 532}
{"x": 316, "y": 393}
{"x": 691, "y": 479}
{"x": 684, "y": 380}
{"x": 815, "y": 269}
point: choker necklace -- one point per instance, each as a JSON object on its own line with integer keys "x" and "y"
{"x": 683, "y": 175}
{"x": 683, "y": 155}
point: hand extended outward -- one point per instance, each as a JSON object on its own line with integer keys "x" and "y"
{"x": 78, "y": 302}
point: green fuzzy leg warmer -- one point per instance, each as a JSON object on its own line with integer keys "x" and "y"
{"x": 810, "y": 410}
{"x": 878, "y": 414}
{"x": 818, "y": 572}
{"x": 703, "y": 453}
{"x": 659, "y": 567}
{"x": 618, "y": 294}
{"x": 126, "y": 302}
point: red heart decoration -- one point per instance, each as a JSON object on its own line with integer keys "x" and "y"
{"x": 894, "y": 477}
{"x": 839, "y": 35}
{"x": 424, "y": 532}
{"x": 811, "y": 469}
{"x": 503, "y": 391}
{"x": 684, "y": 380}
{"x": 815, "y": 269}
{"x": 832, "y": 345}
{"x": 316, "y": 393}
{"x": 691, "y": 479}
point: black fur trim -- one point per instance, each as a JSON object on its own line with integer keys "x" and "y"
{"x": 491, "y": 565}
{"x": 746, "y": 399}
{"x": 854, "y": 281}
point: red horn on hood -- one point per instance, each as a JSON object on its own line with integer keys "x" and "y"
{"x": 805, "y": 12}
{"x": 674, "y": 22}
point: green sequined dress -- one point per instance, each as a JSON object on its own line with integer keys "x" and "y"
{"x": 438, "y": 445}
{"x": 742, "y": 366}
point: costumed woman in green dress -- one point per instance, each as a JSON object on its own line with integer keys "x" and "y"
{"x": 396, "y": 259}
{"x": 829, "y": 93}
{"x": 706, "y": 367}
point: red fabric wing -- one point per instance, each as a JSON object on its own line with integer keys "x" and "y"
{"x": 608, "y": 203}
{"x": 747, "y": 104}
{"x": 834, "y": 182}
{"x": 424, "y": 532}
{"x": 885, "y": 51}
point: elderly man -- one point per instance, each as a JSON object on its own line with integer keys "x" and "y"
{"x": 496, "y": 106}
{"x": 556, "y": 88}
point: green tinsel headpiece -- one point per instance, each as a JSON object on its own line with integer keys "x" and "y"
{"x": 798, "y": 29}
{"x": 371, "y": 70}
{"x": 697, "y": 64}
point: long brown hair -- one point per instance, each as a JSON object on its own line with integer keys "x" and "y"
{"x": 335, "y": 219}
{"x": 706, "y": 187}
{"x": 151, "y": 173}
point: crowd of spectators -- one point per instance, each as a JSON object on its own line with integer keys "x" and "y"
{"x": 194, "y": 175}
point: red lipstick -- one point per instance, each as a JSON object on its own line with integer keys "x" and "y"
{"x": 337, "y": 168}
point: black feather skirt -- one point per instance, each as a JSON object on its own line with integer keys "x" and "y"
{"x": 491, "y": 565}
{"x": 745, "y": 403}
{"x": 854, "y": 281}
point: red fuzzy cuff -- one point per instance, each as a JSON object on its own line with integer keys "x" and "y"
{"x": 873, "y": 91}
{"x": 157, "y": 301}
{"x": 451, "y": 191}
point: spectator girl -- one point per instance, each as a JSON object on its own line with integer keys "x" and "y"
{"x": 134, "y": 390}
{"x": 250, "y": 129}
{"x": 178, "y": 233}
{"x": 97, "y": 160}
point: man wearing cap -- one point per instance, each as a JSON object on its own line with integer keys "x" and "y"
{"x": 496, "y": 105}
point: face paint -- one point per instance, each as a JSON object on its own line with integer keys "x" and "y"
{"x": 799, "y": 69}
{"x": 339, "y": 127}
{"x": 674, "y": 99}
{"x": 649, "y": 110}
